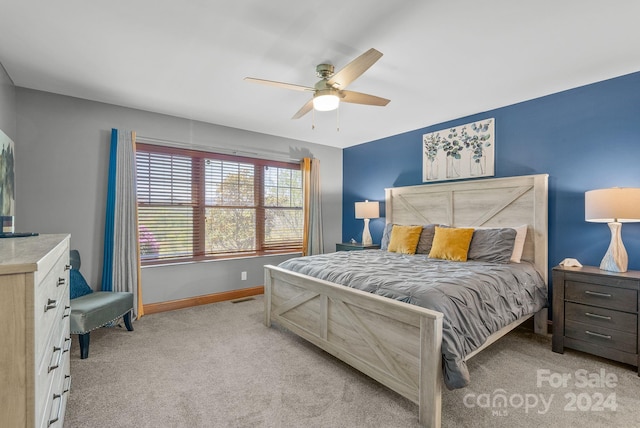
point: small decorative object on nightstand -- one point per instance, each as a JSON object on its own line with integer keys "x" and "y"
{"x": 596, "y": 311}
{"x": 356, "y": 246}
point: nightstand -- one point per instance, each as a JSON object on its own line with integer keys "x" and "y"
{"x": 596, "y": 311}
{"x": 350, "y": 246}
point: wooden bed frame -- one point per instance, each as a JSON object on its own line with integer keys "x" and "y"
{"x": 395, "y": 343}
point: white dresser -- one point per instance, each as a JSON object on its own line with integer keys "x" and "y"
{"x": 34, "y": 330}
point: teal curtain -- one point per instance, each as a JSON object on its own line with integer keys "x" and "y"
{"x": 107, "y": 262}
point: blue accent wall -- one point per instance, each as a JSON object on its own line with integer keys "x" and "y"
{"x": 585, "y": 138}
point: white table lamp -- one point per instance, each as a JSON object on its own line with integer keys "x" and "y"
{"x": 614, "y": 206}
{"x": 367, "y": 210}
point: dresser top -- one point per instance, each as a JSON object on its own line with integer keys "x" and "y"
{"x": 20, "y": 255}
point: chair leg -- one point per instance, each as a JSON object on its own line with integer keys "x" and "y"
{"x": 127, "y": 321}
{"x": 84, "y": 345}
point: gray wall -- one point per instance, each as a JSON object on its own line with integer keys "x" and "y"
{"x": 62, "y": 149}
{"x": 7, "y": 105}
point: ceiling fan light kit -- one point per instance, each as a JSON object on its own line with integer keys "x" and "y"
{"x": 326, "y": 100}
{"x": 330, "y": 90}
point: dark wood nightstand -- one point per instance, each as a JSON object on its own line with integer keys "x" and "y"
{"x": 596, "y": 311}
{"x": 350, "y": 246}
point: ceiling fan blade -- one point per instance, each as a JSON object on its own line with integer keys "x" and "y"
{"x": 279, "y": 84}
{"x": 304, "y": 110}
{"x": 354, "y": 69}
{"x": 360, "y": 98}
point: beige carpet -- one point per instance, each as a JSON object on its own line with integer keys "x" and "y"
{"x": 218, "y": 366}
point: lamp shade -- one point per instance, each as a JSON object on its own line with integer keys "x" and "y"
{"x": 616, "y": 204}
{"x": 367, "y": 209}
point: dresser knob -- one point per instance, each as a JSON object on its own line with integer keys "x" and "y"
{"x": 67, "y": 267}
{"x": 61, "y": 281}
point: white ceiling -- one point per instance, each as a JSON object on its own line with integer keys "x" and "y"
{"x": 443, "y": 59}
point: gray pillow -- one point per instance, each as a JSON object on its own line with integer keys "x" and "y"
{"x": 424, "y": 244}
{"x": 492, "y": 245}
{"x": 386, "y": 236}
{"x": 426, "y": 238}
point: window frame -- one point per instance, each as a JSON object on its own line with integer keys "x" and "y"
{"x": 199, "y": 204}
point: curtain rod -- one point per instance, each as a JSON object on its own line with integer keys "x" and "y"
{"x": 278, "y": 156}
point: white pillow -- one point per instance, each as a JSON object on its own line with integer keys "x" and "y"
{"x": 518, "y": 245}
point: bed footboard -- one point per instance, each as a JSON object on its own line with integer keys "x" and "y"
{"x": 396, "y": 344}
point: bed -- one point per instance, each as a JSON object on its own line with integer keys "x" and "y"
{"x": 401, "y": 344}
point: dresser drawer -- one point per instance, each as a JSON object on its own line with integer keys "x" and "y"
{"x": 602, "y": 296}
{"x": 51, "y": 302}
{"x": 601, "y": 336}
{"x": 52, "y": 308}
{"x": 57, "y": 258}
{"x": 601, "y": 317}
{"x": 55, "y": 398}
{"x": 52, "y": 367}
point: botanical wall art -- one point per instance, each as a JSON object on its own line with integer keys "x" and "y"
{"x": 7, "y": 180}
{"x": 461, "y": 152}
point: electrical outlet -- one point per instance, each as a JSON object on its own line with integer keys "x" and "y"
{"x": 243, "y": 276}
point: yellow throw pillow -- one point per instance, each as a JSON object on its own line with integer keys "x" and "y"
{"x": 450, "y": 243}
{"x": 404, "y": 239}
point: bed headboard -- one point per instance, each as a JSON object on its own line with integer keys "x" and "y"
{"x": 509, "y": 201}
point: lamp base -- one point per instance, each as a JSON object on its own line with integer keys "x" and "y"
{"x": 616, "y": 259}
{"x": 366, "y": 235}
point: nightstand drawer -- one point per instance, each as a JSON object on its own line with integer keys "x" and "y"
{"x": 602, "y": 296}
{"x": 601, "y": 317}
{"x": 601, "y": 336}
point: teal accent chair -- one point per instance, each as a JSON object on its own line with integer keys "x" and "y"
{"x": 96, "y": 309}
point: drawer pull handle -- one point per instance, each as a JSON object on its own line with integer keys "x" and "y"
{"x": 51, "y": 304}
{"x": 58, "y": 412}
{"x": 67, "y": 267}
{"x": 61, "y": 281}
{"x": 600, "y": 335}
{"x": 595, "y": 293}
{"x": 57, "y": 363}
{"x": 67, "y": 346}
{"x": 67, "y": 311}
{"x": 602, "y": 317}
{"x": 67, "y": 381}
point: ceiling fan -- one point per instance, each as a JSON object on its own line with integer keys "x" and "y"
{"x": 330, "y": 89}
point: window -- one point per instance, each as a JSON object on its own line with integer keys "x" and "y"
{"x": 196, "y": 205}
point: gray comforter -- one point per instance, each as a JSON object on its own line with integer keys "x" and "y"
{"x": 476, "y": 298}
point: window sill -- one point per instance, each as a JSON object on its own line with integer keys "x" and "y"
{"x": 220, "y": 259}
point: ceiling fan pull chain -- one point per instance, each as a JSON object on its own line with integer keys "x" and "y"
{"x": 313, "y": 119}
{"x": 338, "y": 119}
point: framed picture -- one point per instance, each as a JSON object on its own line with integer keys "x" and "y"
{"x": 7, "y": 177}
{"x": 462, "y": 152}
